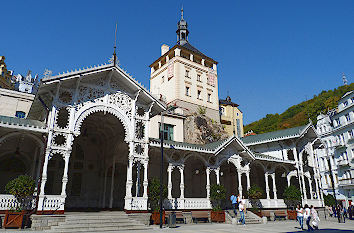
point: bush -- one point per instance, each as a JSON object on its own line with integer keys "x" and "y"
{"x": 329, "y": 200}
{"x": 255, "y": 192}
{"x": 217, "y": 195}
{"x": 292, "y": 196}
{"x": 154, "y": 193}
{"x": 22, "y": 188}
{"x": 201, "y": 110}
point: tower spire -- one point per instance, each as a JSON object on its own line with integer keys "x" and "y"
{"x": 182, "y": 30}
{"x": 115, "y": 46}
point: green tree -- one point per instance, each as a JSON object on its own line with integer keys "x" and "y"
{"x": 292, "y": 196}
{"x": 22, "y": 188}
{"x": 329, "y": 200}
{"x": 254, "y": 194}
{"x": 217, "y": 196}
{"x": 154, "y": 193}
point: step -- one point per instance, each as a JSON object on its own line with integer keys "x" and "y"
{"x": 93, "y": 226}
{"x": 100, "y": 229}
{"x": 72, "y": 221}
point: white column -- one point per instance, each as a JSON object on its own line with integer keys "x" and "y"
{"x": 274, "y": 186}
{"x": 239, "y": 182}
{"x": 44, "y": 173}
{"x": 146, "y": 182}
{"x": 65, "y": 174}
{"x": 267, "y": 185}
{"x": 317, "y": 189}
{"x": 128, "y": 191}
{"x": 217, "y": 173}
{"x": 288, "y": 179}
{"x": 248, "y": 180}
{"x": 303, "y": 185}
{"x": 169, "y": 185}
{"x": 112, "y": 182}
{"x": 137, "y": 182}
{"x": 181, "y": 170}
{"x": 310, "y": 185}
{"x": 208, "y": 182}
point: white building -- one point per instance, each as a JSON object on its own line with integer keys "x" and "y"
{"x": 336, "y": 129}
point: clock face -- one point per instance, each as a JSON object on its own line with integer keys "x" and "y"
{"x": 139, "y": 131}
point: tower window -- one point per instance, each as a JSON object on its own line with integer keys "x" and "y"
{"x": 188, "y": 91}
{"x": 209, "y": 97}
{"x": 20, "y": 114}
{"x": 187, "y": 74}
{"x": 199, "y": 94}
{"x": 183, "y": 36}
{"x": 199, "y": 78}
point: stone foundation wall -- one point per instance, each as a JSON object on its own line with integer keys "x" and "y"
{"x": 45, "y": 222}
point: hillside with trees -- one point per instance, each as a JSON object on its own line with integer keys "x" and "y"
{"x": 299, "y": 114}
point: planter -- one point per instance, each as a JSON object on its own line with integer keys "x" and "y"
{"x": 155, "y": 217}
{"x": 218, "y": 216}
{"x": 292, "y": 214}
{"x": 15, "y": 219}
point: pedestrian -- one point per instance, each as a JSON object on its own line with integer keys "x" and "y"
{"x": 234, "y": 203}
{"x": 315, "y": 218}
{"x": 350, "y": 211}
{"x": 241, "y": 208}
{"x": 300, "y": 216}
{"x": 307, "y": 217}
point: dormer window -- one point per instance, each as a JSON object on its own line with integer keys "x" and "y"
{"x": 345, "y": 103}
{"x": 347, "y": 117}
{"x": 20, "y": 114}
{"x": 199, "y": 78}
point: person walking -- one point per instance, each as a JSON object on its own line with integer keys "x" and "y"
{"x": 315, "y": 218}
{"x": 241, "y": 208}
{"x": 307, "y": 217}
{"x": 300, "y": 216}
{"x": 234, "y": 203}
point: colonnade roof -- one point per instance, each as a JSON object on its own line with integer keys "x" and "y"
{"x": 26, "y": 124}
{"x": 276, "y": 135}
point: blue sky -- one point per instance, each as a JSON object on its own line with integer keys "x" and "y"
{"x": 271, "y": 54}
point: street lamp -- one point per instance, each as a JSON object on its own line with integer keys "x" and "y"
{"x": 168, "y": 110}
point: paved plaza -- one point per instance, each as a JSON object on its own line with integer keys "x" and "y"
{"x": 277, "y": 226}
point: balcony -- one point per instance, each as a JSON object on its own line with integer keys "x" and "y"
{"x": 346, "y": 183}
{"x": 343, "y": 162}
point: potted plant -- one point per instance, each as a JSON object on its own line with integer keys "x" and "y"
{"x": 254, "y": 194}
{"x": 154, "y": 199}
{"x": 22, "y": 188}
{"x": 217, "y": 196}
{"x": 292, "y": 197}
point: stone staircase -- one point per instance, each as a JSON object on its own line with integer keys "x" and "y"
{"x": 104, "y": 221}
{"x": 250, "y": 218}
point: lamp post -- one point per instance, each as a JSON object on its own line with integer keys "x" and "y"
{"x": 171, "y": 108}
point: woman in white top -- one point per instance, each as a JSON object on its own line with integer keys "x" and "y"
{"x": 241, "y": 208}
{"x": 307, "y": 217}
{"x": 300, "y": 216}
{"x": 315, "y": 218}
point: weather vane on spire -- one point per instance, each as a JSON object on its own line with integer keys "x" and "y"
{"x": 182, "y": 12}
{"x": 115, "y": 46}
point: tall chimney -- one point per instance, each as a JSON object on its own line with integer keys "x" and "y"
{"x": 164, "y": 49}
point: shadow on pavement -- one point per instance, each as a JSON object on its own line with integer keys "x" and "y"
{"x": 326, "y": 230}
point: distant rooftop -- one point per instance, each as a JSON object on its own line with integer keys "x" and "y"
{"x": 276, "y": 135}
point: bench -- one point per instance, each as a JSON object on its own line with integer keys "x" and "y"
{"x": 280, "y": 214}
{"x": 200, "y": 215}
{"x": 179, "y": 216}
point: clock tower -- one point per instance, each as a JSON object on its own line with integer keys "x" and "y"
{"x": 185, "y": 76}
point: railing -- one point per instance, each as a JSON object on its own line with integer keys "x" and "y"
{"x": 345, "y": 182}
{"x": 187, "y": 203}
{"x": 137, "y": 203}
{"x": 52, "y": 202}
{"x": 343, "y": 162}
{"x": 8, "y": 202}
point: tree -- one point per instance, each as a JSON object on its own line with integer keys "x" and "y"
{"x": 329, "y": 200}
{"x": 254, "y": 194}
{"x": 217, "y": 196}
{"x": 292, "y": 196}
{"x": 22, "y": 188}
{"x": 154, "y": 193}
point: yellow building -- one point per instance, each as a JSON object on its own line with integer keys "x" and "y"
{"x": 231, "y": 117}
{"x": 5, "y": 75}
